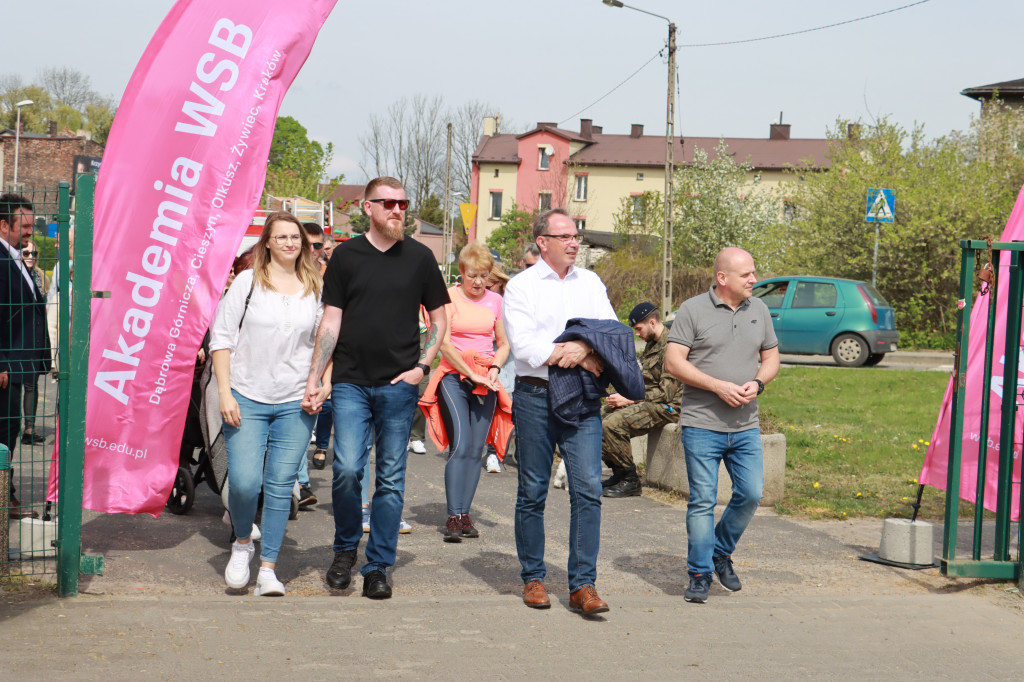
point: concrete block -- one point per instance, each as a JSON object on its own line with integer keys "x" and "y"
{"x": 906, "y": 542}
{"x": 37, "y": 538}
{"x": 639, "y": 446}
{"x": 666, "y": 465}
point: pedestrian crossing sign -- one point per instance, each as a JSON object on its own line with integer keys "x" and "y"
{"x": 881, "y": 206}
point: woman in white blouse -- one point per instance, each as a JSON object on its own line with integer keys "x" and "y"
{"x": 262, "y": 346}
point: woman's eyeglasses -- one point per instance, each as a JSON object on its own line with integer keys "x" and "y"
{"x": 283, "y": 239}
{"x": 29, "y": 253}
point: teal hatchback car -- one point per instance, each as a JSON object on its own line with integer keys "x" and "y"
{"x": 824, "y": 315}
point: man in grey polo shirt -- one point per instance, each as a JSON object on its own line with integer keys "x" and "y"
{"x": 723, "y": 348}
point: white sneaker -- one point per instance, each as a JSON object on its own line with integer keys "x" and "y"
{"x": 267, "y": 584}
{"x": 236, "y": 574}
{"x": 255, "y": 535}
{"x": 404, "y": 527}
{"x": 418, "y": 447}
{"x": 492, "y": 464}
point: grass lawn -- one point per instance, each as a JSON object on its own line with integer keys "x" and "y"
{"x": 855, "y": 440}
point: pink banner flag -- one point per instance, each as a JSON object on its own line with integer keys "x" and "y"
{"x": 182, "y": 174}
{"x": 936, "y": 461}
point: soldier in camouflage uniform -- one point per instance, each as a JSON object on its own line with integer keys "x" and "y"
{"x": 624, "y": 419}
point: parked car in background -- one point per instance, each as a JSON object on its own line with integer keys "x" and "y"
{"x": 825, "y": 315}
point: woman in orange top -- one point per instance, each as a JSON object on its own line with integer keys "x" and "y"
{"x": 474, "y": 349}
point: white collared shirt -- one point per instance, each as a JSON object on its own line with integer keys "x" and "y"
{"x": 16, "y": 255}
{"x": 537, "y": 305}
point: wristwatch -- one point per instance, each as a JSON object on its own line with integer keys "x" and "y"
{"x": 425, "y": 367}
{"x": 760, "y": 386}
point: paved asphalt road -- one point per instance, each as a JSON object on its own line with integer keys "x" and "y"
{"x": 809, "y": 608}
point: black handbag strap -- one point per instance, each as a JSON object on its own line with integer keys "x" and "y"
{"x": 246, "y": 308}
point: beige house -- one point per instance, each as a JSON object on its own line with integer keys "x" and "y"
{"x": 590, "y": 172}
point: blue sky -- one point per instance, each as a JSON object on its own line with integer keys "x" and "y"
{"x": 544, "y": 60}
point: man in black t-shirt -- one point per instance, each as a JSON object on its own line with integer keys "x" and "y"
{"x": 373, "y": 288}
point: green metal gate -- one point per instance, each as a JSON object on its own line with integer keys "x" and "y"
{"x": 45, "y": 538}
{"x": 1001, "y": 564}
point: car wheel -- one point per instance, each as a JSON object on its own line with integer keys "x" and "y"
{"x": 849, "y": 350}
{"x": 874, "y": 359}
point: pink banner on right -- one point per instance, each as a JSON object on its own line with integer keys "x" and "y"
{"x": 936, "y": 461}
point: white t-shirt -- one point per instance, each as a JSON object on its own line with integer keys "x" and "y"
{"x": 272, "y": 352}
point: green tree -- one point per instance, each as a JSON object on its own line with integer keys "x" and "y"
{"x": 512, "y": 235}
{"x": 64, "y": 97}
{"x": 962, "y": 185}
{"x": 297, "y": 165}
{"x": 716, "y": 206}
{"x": 432, "y": 211}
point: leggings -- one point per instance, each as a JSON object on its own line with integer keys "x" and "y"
{"x": 467, "y": 419}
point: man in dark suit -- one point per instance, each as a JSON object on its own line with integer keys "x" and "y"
{"x": 24, "y": 342}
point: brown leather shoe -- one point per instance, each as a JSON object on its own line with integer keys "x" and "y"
{"x": 586, "y": 601}
{"x": 16, "y": 511}
{"x": 535, "y": 596}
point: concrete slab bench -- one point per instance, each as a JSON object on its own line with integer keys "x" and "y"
{"x": 666, "y": 465}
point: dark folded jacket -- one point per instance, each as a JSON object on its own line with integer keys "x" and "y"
{"x": 575, "y": 392}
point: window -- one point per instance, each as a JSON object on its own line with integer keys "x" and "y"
{"x": 581, "y": 188}
{"x": 640, "y": 176}
{"x": 495, "y": 213}
{"x": 788, "y": 211}
{"x": 814, "y": 295}
{"x": 545, "y": 159}
{"x": 772, "y": 293}
{"x": 495, "y": 172}
{"x": 581, "y": 224}
{"x": 638, "y": 209}
{"x": 544, "y": 201}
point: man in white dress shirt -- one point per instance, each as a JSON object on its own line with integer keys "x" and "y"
{"x": 538, "y": 303}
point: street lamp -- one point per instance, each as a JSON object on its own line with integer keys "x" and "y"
{"x": 666, "y": 262}
{"x": 17, "y": 137}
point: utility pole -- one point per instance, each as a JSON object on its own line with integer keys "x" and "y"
{"x": 666, "y": 265}
{"x": 447, "y": 236}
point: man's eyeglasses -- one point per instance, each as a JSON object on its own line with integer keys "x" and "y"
{"x": 28, "y": 253}
{"x": 283, "y": 239}
{"x": 564, "y": 238}
{"x": 317, "y": 245}
{"x": 389, "y": 204}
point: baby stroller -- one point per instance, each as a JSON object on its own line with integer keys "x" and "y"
{"x": 201, "y": 442}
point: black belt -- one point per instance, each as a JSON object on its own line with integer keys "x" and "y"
{"x": 535, "y": 381}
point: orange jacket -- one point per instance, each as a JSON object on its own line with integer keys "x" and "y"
{"x": 501, "y": 423}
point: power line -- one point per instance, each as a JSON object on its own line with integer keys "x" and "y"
{"x": 740, "y": 42}
{"x": 630, "y": 77}
{"x": 806, "y": 30}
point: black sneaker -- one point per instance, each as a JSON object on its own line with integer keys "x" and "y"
{"x": 468, "y": 529}
{"x": 627, "y": 487}
{"x": 306, "y": 496}
{"x": 375, "y": 585}
{"x": 697, "y": 592}
{"x": 453, "y": 529}
{"x": 339, "y": 575}
{"x": 726, "y": 576}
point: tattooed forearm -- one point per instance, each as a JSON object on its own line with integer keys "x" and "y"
{"x": 430, "y": 343}
{"x": 326, "y": 340}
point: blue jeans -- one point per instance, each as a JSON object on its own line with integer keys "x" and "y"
{"x": 265, "y": 451}
{"x": 360, "y": 412}
{"x": 537, "y": 433}
{"x": 467, "y": 419}
{"x": 741, "y": 451}
{"x": 324, "y": 423}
